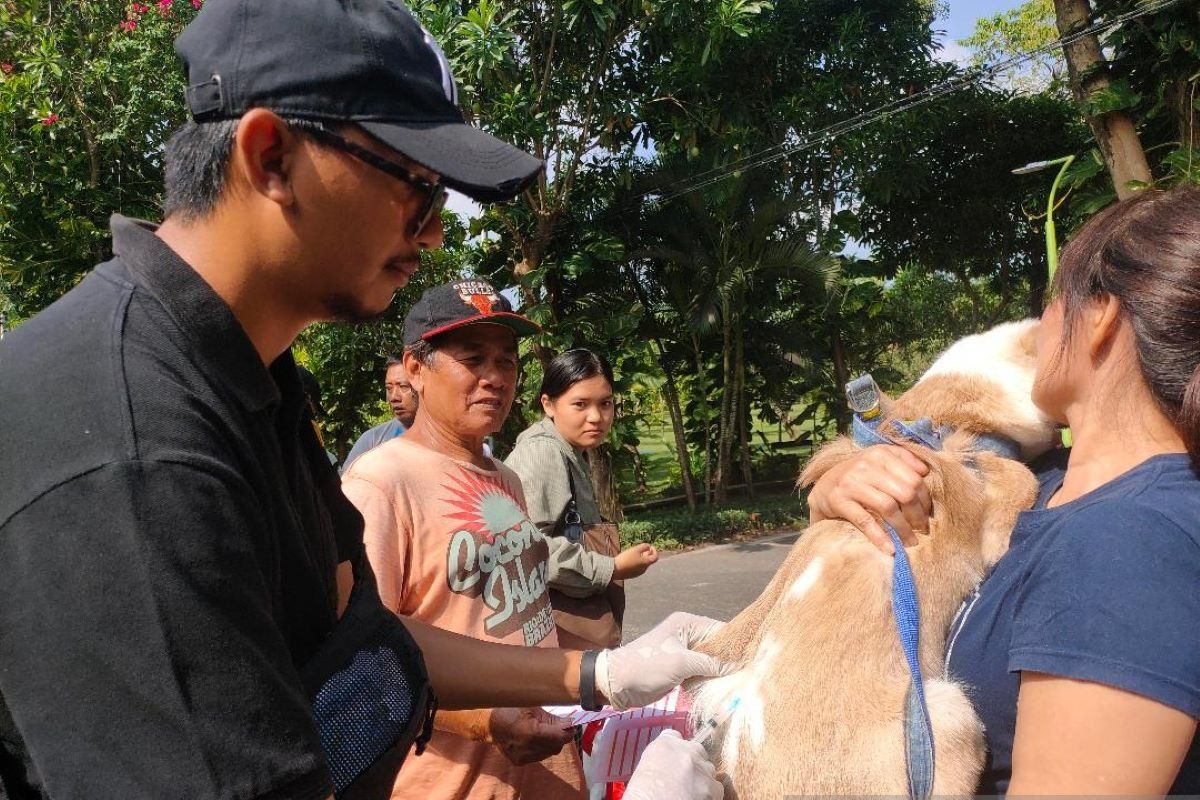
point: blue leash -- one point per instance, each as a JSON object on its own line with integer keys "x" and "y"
{"x": 918, "y": 730}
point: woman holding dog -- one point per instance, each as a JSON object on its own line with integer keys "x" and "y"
{"x": 1080, "y": 648}
{"x": 587, "y": 566}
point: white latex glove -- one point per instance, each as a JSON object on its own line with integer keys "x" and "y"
{"x": 656, "y": 662}
{"x": 672, "y": 768}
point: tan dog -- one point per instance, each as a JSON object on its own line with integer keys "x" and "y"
{"x": 820, "y": 696}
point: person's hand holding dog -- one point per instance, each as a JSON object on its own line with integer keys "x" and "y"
{"x": 880, "y": 483}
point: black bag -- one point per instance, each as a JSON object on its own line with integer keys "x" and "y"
{"x": 370, "y": 694}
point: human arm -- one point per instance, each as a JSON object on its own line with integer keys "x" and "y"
{"x": 136, "y": 620}
{"x": 575, "y": 571}
{"x": 879, "y": 483}
{"x": 1082, "y": 738}
{"x": 548, "y": 676}
{"x": 1102, "y": 638}
{"x": 634, "y": 675}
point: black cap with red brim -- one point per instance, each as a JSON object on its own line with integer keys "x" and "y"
{"x": 450, "y": 306}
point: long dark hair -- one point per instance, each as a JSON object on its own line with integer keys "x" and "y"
{"x": 1145, "y": 251}
{"x": 571, "y": 367}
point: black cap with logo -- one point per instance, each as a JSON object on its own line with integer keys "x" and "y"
{"x": 368, "y": 62}
{"x": 468, "y": 302}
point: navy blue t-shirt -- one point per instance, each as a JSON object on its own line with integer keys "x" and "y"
{"x": 1105, "y": 588}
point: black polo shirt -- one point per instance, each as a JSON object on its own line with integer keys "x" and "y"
{"x": 169, "y": 536}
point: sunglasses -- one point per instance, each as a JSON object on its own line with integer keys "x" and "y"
{"x": 435, "y": 193}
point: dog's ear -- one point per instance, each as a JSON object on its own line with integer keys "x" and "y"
{"x": 1028, "y": 341}
{"x": 1009, "y": 489}
{"x": 826, "y": 459}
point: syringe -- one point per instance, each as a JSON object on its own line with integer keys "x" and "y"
{"x": 705, "y": 729}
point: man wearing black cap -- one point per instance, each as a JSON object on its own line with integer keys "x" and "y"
{"x": 175, "y": 552}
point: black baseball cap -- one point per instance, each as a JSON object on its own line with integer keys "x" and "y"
{"x": 467, "y": 302}
{"x": 368, "y": 62}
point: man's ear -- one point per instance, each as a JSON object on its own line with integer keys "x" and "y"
{"x": 264, "y": 150}
{"x": 416, "y": 372}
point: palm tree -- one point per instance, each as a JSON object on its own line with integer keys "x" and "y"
{"x": 707, "y": 255}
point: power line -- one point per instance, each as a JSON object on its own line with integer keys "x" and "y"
{"x": 909, "y": 102}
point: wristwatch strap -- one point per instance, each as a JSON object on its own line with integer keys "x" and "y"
{"x": 587, "y": 681}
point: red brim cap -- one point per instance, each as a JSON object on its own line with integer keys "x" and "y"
{"x": 521, "y": 326}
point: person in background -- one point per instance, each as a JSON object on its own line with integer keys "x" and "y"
{"x": 586, "y": 565}
{"x": 1080, "y": 646}
{"x": 401, "y": 399}
{"x": 449, "y": 539}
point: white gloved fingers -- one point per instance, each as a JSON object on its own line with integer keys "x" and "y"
{"x": 655, "y": 663}
{"x": 702, "y": 629}
{"x": 702, "y": 665}
{"x": 673, "y": 768}
{"x": 690, "y": 629}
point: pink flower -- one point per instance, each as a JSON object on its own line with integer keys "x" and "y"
{"x": 6, "y": 68}
{"x": 140, "y": 8}
{"x": 50, "y": 120}
{"x": 197, "y": 3}
{"x": 164, "y": 6}
{"x": 129, "y": 24}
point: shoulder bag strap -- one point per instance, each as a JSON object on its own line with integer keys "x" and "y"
{"x": 572, "y": 522}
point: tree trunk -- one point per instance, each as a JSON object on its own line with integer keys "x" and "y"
{"x": 639, "y": 467}
{"x": 728, "y": 410}
{"x": 743, "y": 415}
{"x": 1181, "y": 96}
{"x": 605, "y": 483}
{"x": 671, "y": 391}
{"x": 702, "y": 380}
{"x": 1114, "y": 131}
{"x": 533, "y": 250}
{"x": 841, "y": 373}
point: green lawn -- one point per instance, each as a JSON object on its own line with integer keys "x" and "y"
{"x": 657, "y": 450}
{"x": 674, "y": 529}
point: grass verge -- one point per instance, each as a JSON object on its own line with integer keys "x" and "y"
{"x": 676, "y": 530}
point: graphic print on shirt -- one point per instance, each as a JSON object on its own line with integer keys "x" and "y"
{"x": 498, "y": 555}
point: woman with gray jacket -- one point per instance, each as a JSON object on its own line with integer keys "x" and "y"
{"x": 585, "y": 567}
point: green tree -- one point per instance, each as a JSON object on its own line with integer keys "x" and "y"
{"x": 731, "y": 246}
{"x": 943, "y": 196}
{"x": 89, "y": 91}
{"x": 1150, "y": 76}
{"x": 1025, "y": 29}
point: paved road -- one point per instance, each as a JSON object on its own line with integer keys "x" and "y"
{"x": 716, "y": 581}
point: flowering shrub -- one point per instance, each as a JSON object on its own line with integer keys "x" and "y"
{"x": 89, "y": 91}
